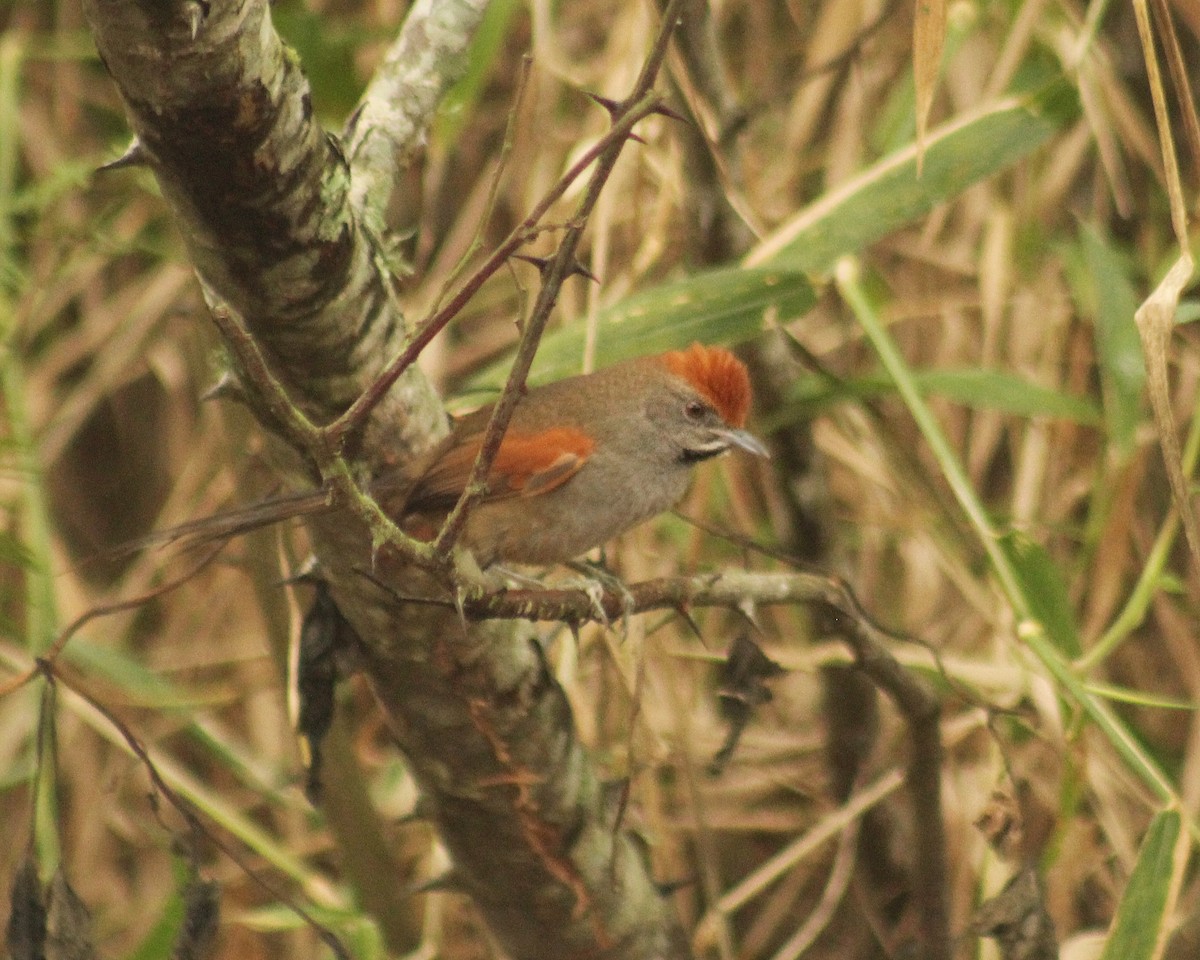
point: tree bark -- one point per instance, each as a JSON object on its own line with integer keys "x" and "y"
{"x": 278, "y": 219}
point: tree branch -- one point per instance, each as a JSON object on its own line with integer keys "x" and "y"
{"x": 395, "y": 110}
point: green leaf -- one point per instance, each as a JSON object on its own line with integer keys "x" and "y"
{"x": 360, "y": 934}
{"x": 136, "y": 681}
{"x": 1007, "y": 392}
{"x": 979, "y": 389}
{"x": 1140, "y": 698}
{"x": 159, "y": 939}
{"x": 1104, "y": 289}
{"x": 1045, "y": 590}
{"x": 13, "y": 553}
{"x": 326, "y": 49}
{"x": 457, "y": 106}
{"x": 890, "y": 194}
{"x": 726, "y": 306}
{"x": 1139, "y": 928}
{"x": 1188, "y": 311}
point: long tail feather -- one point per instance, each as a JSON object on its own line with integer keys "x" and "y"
{"x": 233, "y": 523}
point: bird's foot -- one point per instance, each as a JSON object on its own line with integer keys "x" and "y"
{"x": 470, "y": 579}
{"x": 509, "y": 577}
{"x": 598, "y": 581}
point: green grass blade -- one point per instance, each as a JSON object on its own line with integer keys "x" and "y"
{"x": 1045, "y": 589}
{"x": 1105, "y": 290}
{"x": 1139, "y": 930}
{"x": 1032, "y": 630}
{"x": 978, "y": 389}
{"x": 890, "y": 193}
{"x": 1153, "y": 572}
{"x": 717, "y": 306}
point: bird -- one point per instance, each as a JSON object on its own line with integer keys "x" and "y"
{"x": 584, "y": 459}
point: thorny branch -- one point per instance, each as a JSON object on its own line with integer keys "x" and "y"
{"x": 735, "y": 590}
{"x": 541, "y": 807}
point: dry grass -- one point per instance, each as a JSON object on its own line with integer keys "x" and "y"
{"x": 107, "y": 351}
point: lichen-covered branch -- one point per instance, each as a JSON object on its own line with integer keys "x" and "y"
{"x": 223, "y": 115}
{"x": 390, "y": 122}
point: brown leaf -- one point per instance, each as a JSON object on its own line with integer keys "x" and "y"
{"x": 26, "y": 934}
{"x": 1017, "y": 919}
{"x": 929, "y": 38}
{"x": 68, "y": 923}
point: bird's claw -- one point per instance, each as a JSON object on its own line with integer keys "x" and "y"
{"x": 595, "y": 594}
{"x": 598, "y": 581}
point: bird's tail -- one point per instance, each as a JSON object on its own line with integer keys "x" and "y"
{"x": 234, "y": 523}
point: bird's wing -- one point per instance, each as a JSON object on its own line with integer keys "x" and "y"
{"x": 527, "y": 464}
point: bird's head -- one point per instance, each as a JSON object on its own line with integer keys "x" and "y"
{"x": 704, "y": 402}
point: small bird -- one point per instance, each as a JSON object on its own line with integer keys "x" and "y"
{"x": 584, "y": 459}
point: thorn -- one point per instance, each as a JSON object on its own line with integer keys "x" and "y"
{"x": 666, "y": 111}
{"x": 579, "y": 270}
{"x": 749, "y": 610}
{"x": 135, "y": 155}
{"x": 197, "y": 13}
{"x": 543, "y": 263}
{"x": 228, "y": 387}
{"x": 335, "y": 145}
{"x": 352, "y": 121}
{"x": 451, "y": 881}
{"x": 540, "y": 262}
{"x": 615, "y": 109}
{"x": 687, "y": 618}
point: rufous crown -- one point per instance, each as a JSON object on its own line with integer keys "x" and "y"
{"x": 717, "y": 375}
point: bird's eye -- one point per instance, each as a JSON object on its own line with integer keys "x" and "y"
{"x": 694, "y": 410}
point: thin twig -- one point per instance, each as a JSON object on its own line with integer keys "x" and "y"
{"x": 185, "y": 809}
{"x": 641, "y": 102}
{"x": 729, "y": 588}
{"x": 489, "y": 206}
{"x": 286, "y": 418}
{"x": 56, "y": 648}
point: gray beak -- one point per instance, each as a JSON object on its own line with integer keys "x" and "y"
{"x": 746, "y": 441}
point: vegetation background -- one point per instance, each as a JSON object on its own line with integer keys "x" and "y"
{"x": 1007, "y": 277}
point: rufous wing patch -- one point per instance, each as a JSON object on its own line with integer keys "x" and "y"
{"x": 527, "y": 464}
{"x": 716, "y": 374}
{"x": 533, "y": 463}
